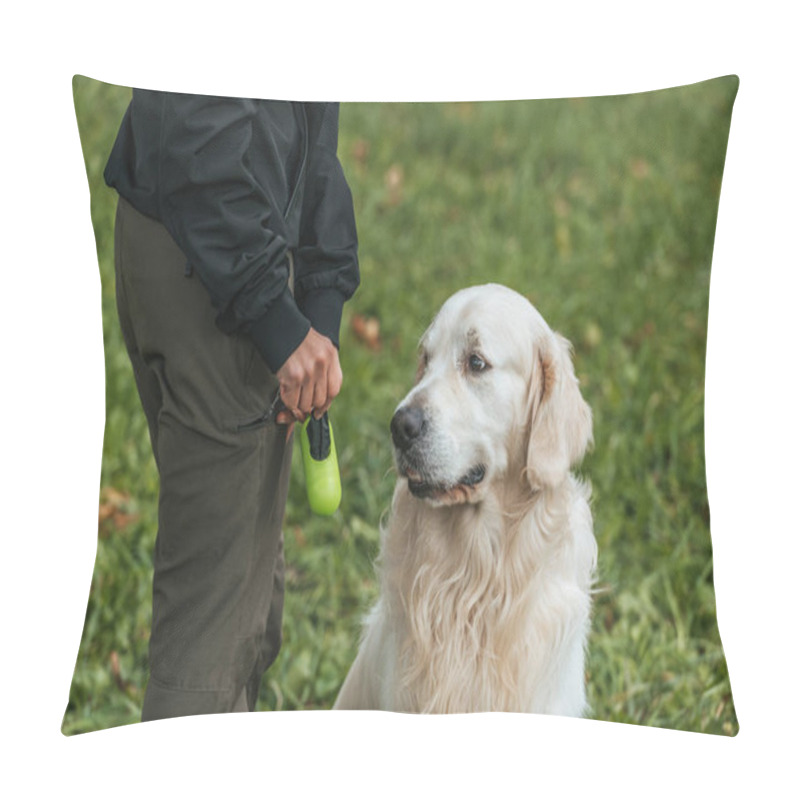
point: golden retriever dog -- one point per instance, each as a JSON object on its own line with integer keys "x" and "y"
{"x": 487, "y": 561}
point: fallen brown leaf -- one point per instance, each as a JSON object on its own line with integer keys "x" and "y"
{"x": 111, "y": 495}
{"x": 393, "y": 181}
{"x": 114, "y": 659}
{"x": 106, "y": 511}
{"x": 367, "y": 330}
{"x": 122, "y": 520}
{"x": 114, "y": 508}
{"x": 116, "y": 674}
{"x": 360, "y": 151}
{"x": 639, "y": 168}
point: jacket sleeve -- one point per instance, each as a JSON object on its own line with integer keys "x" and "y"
{"x": 326, "y": 261}
{"x": 224, "y": 220}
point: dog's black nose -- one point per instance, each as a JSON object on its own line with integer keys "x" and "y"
{"x": 407, "y": 425}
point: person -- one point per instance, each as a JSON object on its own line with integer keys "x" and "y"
{"x": 235, "y": 250}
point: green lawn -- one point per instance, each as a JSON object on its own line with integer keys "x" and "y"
{"x": 600, "y": 211}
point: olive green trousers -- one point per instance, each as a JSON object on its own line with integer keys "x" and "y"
{"x": 224, "y": 471}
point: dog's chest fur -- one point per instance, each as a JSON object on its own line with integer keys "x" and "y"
{"x": 481, "y": 606}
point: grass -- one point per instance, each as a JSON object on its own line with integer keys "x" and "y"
{"x": 602, "y": 212}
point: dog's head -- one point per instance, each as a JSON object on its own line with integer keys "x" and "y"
{"x": 495, "y": 391}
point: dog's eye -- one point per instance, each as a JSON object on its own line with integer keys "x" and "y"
{"x": 476, "y": 363}
{"x": 422, "y": 365}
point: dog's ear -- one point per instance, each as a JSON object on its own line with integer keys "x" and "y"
{"x": 560, "y": 419}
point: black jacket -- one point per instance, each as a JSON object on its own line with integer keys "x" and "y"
{"x": 237, "y": 182}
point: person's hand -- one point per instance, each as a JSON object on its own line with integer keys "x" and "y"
{"x": 309, "y": 380}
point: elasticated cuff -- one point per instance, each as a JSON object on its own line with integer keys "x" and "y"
{"x": 280, "y": 331}
{"x": 323, "y": 307}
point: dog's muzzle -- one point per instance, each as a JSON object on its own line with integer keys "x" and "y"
{"x": 408, "y": 427}
{"x": 408, "y": 424}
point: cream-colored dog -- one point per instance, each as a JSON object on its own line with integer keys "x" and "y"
{"x": 486, "y": 563}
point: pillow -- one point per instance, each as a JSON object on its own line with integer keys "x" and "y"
{"x": 602, "y": 212}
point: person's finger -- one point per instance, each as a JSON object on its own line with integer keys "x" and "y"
{"x": 290, "y": 394}
{"x": 285, "y": 418}
{"x": 332, "y": 392}
{"x": 321, "y": 398}
{"x": 334, "y": 378}
{"x": 334, "y": 385}
{"x": 305, "y": 402}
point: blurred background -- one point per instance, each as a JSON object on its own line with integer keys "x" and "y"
{"x": 602, "y": 212}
